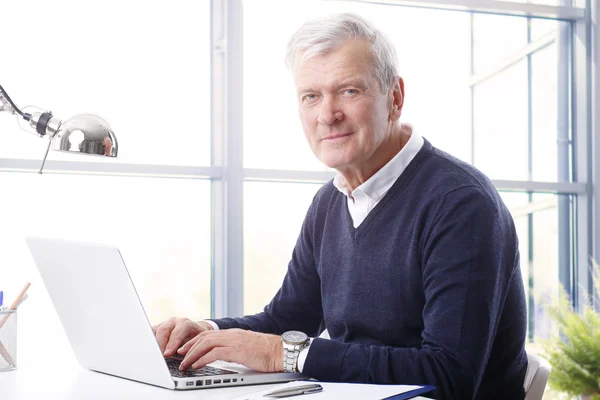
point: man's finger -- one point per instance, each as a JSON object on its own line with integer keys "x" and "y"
{"x": 162, "y": 334}
{"x": 201, "y": 347}
{"x": 218, "y": 353}
{"x": 178, "y": 335}
{"x": 188, "y": 345}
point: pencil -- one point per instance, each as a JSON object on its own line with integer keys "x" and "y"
{"x": 3, "y": 351}
{"x": 6, "y": 355}
{"x": 14, "y": 304}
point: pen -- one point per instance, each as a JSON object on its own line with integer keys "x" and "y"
{"x": 296, "y": 390}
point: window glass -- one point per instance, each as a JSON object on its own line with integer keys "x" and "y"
{"x": 545, "y": 140}
{"x": 146, "y": 73}
{"x": 543, "y": 264}
{"x": 273, "y": 215}
{"x": 536, "y": 219}
{"x": 542, "y": 27}
{"x": 161, "y": 226}
{"x": 501, "y": 124}
{"x": 496, "y": 37}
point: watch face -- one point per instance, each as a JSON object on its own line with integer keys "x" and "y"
{"x": 294, "y": 337}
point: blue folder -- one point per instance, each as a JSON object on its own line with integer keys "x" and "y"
{"x": 412, "y": 393}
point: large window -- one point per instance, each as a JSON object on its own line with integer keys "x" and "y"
{"x": 148, "y": 74}
{"x": 214, "y": 175}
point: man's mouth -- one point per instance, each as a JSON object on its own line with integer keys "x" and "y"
{"x": 337, "y": 136}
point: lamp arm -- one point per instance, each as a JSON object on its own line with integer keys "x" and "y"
{"x": 44, "y": 123}
{"x": 5, "y": 105}
{"x": 8, "y": 105}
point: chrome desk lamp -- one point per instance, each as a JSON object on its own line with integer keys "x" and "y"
{"x": 81, "y": 134}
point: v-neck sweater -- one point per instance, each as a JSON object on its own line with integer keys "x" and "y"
{"x": 365, "y": 197}
{"x": 427, "y": 290}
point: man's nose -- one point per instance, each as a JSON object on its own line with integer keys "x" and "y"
{"x": 329, "y": 113}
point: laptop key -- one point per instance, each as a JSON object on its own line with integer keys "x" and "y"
{"x": 173, "y": 365}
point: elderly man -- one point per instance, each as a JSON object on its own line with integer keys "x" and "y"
{"x": 408, "y": 257}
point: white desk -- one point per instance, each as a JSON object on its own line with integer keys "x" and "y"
{"x": 54, "y": 377}
{"x": 75, "y": 383}
{"x": 48, "y": 369}
{"x": 46, "y": 382}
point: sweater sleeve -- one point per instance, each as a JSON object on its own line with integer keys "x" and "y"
{"x": 468, "y": 253}
{"x": 297, "y": 305}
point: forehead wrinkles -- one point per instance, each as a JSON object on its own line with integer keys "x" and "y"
{"x": 329, "y": 74}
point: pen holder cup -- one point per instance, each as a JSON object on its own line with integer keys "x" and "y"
{"x": 8, "y": 340}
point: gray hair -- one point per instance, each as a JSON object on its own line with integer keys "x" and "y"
{"x": 322, "y": 35}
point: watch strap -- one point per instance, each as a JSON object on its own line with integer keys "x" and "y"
{"x": 290, "y": 356}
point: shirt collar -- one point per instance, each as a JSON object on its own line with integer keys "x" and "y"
{"x": 377, "y": 186}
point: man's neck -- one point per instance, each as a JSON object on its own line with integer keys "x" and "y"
{"x": 387, "y": 150}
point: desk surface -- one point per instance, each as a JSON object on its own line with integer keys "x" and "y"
{"x": 48, "y": 370}
{"x": 74, "y": 383}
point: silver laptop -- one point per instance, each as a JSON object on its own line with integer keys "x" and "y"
{"x": 107, "y": 326}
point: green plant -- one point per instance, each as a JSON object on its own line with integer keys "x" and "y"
{"x": 575, "y": 354}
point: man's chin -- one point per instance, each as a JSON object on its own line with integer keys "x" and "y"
{"x": 336, "y": 159}
{"x": 334, "y": 163}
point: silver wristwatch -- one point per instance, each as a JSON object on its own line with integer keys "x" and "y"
{"x": 293, "y": 342}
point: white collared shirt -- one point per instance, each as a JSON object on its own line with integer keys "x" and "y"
{"x": 366, "y": 196}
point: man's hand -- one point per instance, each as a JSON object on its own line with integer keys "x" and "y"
{"x": 259, "y": 351}
{"x": 174, "y": 332}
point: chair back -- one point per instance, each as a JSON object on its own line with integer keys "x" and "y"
{"x": 536, "y": 377}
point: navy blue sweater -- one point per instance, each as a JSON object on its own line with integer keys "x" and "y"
{"x": 427, "y": 290}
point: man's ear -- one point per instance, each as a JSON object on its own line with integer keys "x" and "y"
{"x": 397, "y": 98}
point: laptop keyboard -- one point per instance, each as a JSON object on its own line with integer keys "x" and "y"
{"x": 207, "y": 370}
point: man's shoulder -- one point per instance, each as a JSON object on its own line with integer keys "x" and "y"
{"x": 327, "y": 199}
{"x": 323, "y": 199}
{"x": 446, "y": 173}
{"x": 326, "y": 192}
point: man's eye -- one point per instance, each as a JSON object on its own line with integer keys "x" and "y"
{"x": 309, "y": 97}
{"x": 350, "y": 92}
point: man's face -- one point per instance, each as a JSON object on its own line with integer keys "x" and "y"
{"x": 344, "y": 114}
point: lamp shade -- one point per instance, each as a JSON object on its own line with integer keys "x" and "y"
{"x": 86, "y": 134}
